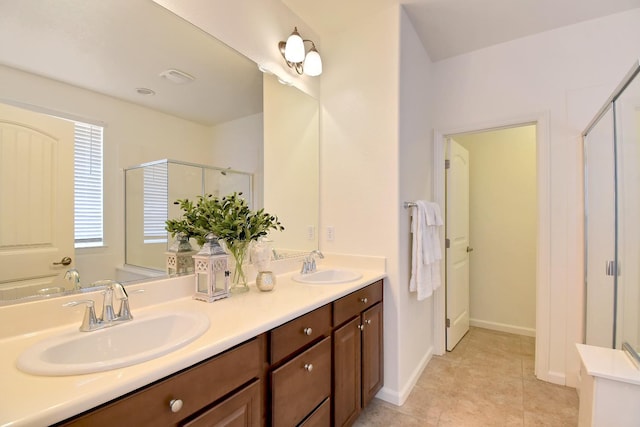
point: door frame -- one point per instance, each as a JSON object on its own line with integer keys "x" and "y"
{"x": 543, "y": 250}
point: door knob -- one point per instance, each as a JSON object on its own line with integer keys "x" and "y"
{"x": 64, "y": 261}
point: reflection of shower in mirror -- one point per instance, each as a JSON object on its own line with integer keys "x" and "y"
{"x": 150, "y": 192}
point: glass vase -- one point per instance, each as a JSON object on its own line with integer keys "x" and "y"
{"x": 238, "y": 250}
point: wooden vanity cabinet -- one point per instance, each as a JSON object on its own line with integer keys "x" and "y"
{"x": 317, "y": 370}
{"x": 357, "y": 352}
{"x": 223, "y": 390}
{"x": 300, "y": 375}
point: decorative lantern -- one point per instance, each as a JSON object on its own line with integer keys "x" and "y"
{"x": 180, "y": 256}
{"x": 211, "y": 271}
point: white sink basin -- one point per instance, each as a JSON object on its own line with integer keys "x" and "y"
{"x": 328, "y": 277}
{"x": 133, "y": 342}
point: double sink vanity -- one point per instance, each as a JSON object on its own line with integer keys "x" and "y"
{"x": 303, "y": 354}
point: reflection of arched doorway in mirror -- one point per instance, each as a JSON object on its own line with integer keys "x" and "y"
{"x": 36, "y": 195}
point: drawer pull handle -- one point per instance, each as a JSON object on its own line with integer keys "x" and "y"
{"x": 361, "y": 327}
{"x": 308, "y": 367}
{"x": 364, "y": 300}
{"x": 368, "y": 321}
{"x": 175, "y": 405}
{"x": 307, "y": 331}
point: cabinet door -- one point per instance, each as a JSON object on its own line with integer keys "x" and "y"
{"x": 372, "y": 363}
{"x": 347, "y": 359}
{"x": 243, "y": 409}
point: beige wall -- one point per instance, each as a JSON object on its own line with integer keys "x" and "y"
{"x": 503, "y": 224}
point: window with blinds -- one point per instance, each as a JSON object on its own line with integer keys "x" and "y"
{"x": 155, "y": 203}
{"x": 88, "y": 197}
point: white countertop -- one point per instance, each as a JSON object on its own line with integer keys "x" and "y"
{"x": 40, "y": 400}
{"x": 608, "y": 363}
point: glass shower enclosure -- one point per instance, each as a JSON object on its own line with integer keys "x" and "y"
{"x": 150, "y": 192}
{"x": 612, "y": 220}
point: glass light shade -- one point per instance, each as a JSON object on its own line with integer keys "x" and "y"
{"x": 313, "y": 63}
{"x": 294, "y": 49}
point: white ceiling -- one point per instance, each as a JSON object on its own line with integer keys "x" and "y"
{"x": 116, "y": 46}
{"x": 452, "y": 27}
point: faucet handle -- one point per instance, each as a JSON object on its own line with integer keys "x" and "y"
{"x": 89, "y": 321}
{"x": 124, "y": 313}
{"x": 108, "y": 315}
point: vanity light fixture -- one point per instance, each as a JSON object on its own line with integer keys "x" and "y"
{"x": 296, "y": 57}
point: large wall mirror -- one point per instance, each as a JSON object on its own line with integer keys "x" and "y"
{"x": 101, "y": 63}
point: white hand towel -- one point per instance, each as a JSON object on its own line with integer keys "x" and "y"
{"x": 426, "y": 253}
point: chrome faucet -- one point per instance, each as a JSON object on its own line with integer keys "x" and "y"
{"x": 73, "y": 276}
{"x": 109, "y": 317}
{"x": 309, "y": 263}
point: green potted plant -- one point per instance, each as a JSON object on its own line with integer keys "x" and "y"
{"x": 231, "y": 220}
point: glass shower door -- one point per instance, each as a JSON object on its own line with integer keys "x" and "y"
{"x": 627, "y": 121}
{"x": 600, "y": 232}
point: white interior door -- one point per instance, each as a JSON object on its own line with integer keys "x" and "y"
{"x": 457, "y": 254}
{"x": 36, "y": 199}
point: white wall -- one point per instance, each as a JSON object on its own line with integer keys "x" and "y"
{"x": 568, "y": 73}
{"x": 359, "y": 160}
{"x": 375, "y": 107}
{"x": 415, "y": 318}
{"x": 503, "y": 226}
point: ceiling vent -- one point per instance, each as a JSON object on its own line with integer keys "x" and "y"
{"x": 177, "y": 76}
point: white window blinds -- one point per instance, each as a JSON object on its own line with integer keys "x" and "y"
{"x": 88, "y": 220}
{"x": 155, "y": 203}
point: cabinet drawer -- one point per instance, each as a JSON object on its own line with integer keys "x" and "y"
{"x": 241, "y": 409}
{"x": 291, "y": 336}
{"x": 197, "y": 387}
{"x": 353, "y": 304}
{"x": 321, "y": 417}
{"x": 300, "y": 385}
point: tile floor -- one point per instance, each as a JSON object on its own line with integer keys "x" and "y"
{"x": 487, "y": 380}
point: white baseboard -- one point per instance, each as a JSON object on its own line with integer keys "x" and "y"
{"x": 554, "y": 377}
{"x": 399, "y": 397}
{"x": 494, "y": 326}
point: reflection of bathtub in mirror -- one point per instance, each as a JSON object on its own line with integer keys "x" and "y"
{"x": 150, "y": 192}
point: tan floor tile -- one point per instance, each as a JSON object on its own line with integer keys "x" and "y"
{"x": 503, "y": 392}
{"x": 428, "y": 403}
{"x": 536, "y": 419}
{"x": 546, "y": 398}
{"x": 476, "y": 412}
{"x": 490, "y": 366}
{"x": 487, "y": 380}
{"x": 381, "y": 414}
{"x": 528, "y": 368}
